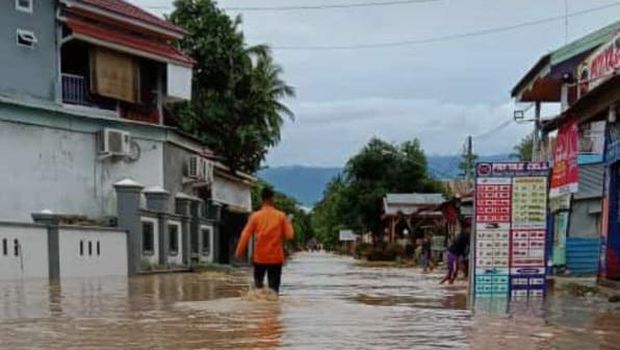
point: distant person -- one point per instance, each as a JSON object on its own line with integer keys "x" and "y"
{"x": 457, "y": 249}
{"x": 270, "y": 228}
{"x": 425, "y": 257}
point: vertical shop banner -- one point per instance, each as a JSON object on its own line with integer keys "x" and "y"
{"x": 510, "y": 229}
{"x": 565, "y": 174}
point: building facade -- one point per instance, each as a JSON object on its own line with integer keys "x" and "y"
{"x": 83, "y": 134}
{"x": 581, "y": 77}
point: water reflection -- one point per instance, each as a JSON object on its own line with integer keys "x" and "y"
{"x": 328, "y": 302}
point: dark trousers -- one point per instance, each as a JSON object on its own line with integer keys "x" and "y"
{"x": 274, "y": 271}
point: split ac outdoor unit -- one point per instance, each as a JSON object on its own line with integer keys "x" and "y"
{"x": 194, "y": 169}
{"x": 199, "y": 168}
{"x": 207, "y": 170}
{"x": 115, "y": 142}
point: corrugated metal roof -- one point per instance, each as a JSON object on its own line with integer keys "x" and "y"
{"x": 590, "y": 181}
{"x": 415, "y": 198}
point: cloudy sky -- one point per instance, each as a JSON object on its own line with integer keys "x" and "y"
{"x": 439, "y": 92}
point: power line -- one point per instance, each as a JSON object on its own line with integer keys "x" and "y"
{"x": 499, "y": 127}
{"x": 326, "y": 7}
{"x": 451, "y": 37}
{"x": 313, "y": 7}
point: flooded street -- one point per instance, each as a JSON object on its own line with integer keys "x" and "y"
{"x": 328, "y": 302}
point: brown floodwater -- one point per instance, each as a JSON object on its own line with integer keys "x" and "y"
{"x": 327, "y": 302}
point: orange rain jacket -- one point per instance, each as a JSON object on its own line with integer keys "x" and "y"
{"x": 270, "y": 227}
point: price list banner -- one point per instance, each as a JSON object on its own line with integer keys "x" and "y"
{"x": 510, "y": 227}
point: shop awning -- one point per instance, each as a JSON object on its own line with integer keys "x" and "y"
{"x": 544, "y": 80}
{"x": 124, "y": 42}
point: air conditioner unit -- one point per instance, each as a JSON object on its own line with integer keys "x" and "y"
{"x": 115, "y": 142}
{"x": 194, "y": 167}
{"x": 207, "y": 170}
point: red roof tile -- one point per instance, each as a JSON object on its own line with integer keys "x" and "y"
{"x": 125, "y": 9}
{"x": 126, "y": 40}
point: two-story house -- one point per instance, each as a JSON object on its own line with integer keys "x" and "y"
{"x": 83, "y": 94}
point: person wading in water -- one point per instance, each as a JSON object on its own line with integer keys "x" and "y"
{"x": 270, "y": 228}
{"x": 457, "y": 249}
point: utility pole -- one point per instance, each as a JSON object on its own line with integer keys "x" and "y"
{"x": 536, "y": 136}
{"x": 470, "y": 158}
{"x": 467, "y": 159}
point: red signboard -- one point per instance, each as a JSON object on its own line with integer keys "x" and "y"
{"x": 565, "y": 175}
{"x": 600, "y": 65}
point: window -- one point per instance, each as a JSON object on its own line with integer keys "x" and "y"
{"x": 206, "y": 241}
{"x": 148, "y": 238}
{"x": 98, "y": 248}
{"x": 24, "y": 5}
{"x": 26, "y": 38}
{"x": 173, "y": 239}
{"x": 5, "y": 247}
{"x": 90, "y": 248}
{"x": 81, "y": 248}
{"x": 16, "y": 247}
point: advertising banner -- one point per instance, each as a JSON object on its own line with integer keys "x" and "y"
{"x": 510, "y": 230}
{"x": 565, "y": 175}
{"x": 600, "y": 65}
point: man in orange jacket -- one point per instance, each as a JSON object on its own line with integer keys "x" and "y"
{"x": 270, "y": 227}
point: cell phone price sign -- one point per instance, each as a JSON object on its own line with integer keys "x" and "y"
{"x": 510, "y": 227}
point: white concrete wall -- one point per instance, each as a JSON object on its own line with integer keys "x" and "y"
{"x": 60, "y": 170}
{"x": 32, "y": 259}
{"x": 233, "y": 193}
{"x": 111, "y": 260}
{"x": 154, "y": 258}
{"x": 206, "y": 257}
{"x": 178, "y": 258}
{"x": 179, "y": 82}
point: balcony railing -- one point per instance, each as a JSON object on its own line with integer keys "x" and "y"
{"x": 74, "y": 90}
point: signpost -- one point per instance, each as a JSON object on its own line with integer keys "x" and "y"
{"x": 346, "y": 236}
{"x": 510, "y": 228}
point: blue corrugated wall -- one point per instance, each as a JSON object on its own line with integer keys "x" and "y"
{"x": 582, "y": 255}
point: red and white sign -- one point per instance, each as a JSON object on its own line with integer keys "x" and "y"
{"x": 493, "y": 197}
{"x": 600, "y": 65}
{"x": 565, "y": 175}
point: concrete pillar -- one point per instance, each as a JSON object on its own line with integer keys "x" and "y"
{"x": 128, "y": 194}
{"x": 157, "y": 199}
{"x": 164, "y": 245}
{"x": 183, "y": 206}
{"x": 52, "y": 222}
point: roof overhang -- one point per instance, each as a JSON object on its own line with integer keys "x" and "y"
{"x": 123, "y": 42}
{"x": 178, "y": 33}
{"x": 543, "y": 82}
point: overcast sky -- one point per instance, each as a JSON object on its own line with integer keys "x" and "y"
{"x": 438, "y": 92}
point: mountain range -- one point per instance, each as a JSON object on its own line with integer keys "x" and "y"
{"x": 307, "y": 183}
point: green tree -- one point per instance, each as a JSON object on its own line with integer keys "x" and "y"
{"x": 332, "y": 213}
{"x": 355, "y": 200}
{"x": 236, "y": 107}
{"x": 523, "y": 151}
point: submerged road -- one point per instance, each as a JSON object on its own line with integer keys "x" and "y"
{"x": 328, "y": 302}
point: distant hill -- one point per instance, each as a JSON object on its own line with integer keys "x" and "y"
{"x": 447, "y": 167}
{"x": 306, "y": 184}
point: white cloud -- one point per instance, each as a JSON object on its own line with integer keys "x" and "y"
{"x": 438, "y": 92}
{"x": 328, "y": 133}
